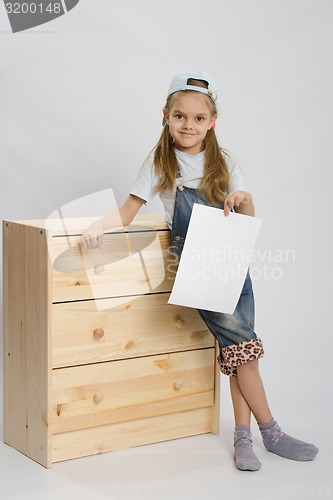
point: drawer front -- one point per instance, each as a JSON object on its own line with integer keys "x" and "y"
{"x": 83, "y": 442}
{"x": 128, "y": 264}
{"x": 105, "y": 393}
{"x": 140, "y": 326}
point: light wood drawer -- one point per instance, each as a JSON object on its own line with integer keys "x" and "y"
{"x": 104, "y": 393}
{"x": 83, "y": 442}
{"x": 138, "y": 326}
{"x": 128, "y": 264}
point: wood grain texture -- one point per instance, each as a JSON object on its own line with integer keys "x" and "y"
{"x": 98, "y": 394}
{"x": 121, "y": 435}
{"x": 133, "y": 264}
{"x": 94, "y": 357}
{"x": 27, "y": 352}
{"x": 215, "y": 424}
{"x": 137, "y": 326}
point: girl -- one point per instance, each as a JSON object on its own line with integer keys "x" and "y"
{"x": 186, "y": 166}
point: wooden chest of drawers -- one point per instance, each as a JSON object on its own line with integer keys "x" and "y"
{"x": 94, "y": 357}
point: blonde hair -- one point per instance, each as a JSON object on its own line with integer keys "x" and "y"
{"x": 215, "y": 181}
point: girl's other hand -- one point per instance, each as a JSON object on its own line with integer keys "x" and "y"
{"x": 93, "y": 237}
{"x": 236, "y": 199}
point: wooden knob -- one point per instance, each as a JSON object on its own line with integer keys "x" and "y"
{"x": 98, "y": 333}
{"x": 99, "y": 268}
{"x": 180, "y": 323}
{"x": 98, "y": 397}
{"x": 178, "y": 384}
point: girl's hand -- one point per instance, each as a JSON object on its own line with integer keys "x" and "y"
{"x": 93, "y": 236}
{"x": 236, "y": 199}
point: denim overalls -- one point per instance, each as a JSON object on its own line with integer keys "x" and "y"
{"x": 234, "y": 332}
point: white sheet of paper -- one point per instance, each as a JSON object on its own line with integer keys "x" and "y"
{"x": 215, "y": 259}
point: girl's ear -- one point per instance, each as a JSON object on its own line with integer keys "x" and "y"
{"x": 213, "y": 122}
{"x": 166, "y": 115}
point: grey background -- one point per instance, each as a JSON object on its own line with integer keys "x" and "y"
{"x": 81, "y": 105}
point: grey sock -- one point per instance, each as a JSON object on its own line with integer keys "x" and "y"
{"x": 276, "y": 441}
{"x": 244, "y": 456}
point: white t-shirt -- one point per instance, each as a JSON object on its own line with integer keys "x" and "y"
{"x": 191, "y": 168}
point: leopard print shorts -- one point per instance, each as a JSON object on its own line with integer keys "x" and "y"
{"x": 239, "y": 354}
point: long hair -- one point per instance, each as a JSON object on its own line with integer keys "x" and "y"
{"x": 215, "y": 181}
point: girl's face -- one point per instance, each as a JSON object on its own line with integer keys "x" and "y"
{"x": 189, "y": 119}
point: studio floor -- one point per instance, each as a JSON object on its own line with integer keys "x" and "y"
{"x": 197, "y": 468}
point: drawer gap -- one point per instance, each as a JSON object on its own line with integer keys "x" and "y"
{"x": 114, "y": 232}
{"x": 112, "y": 297}
{"x": 131, "y": 358}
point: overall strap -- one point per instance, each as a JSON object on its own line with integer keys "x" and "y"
{"x": 179, "y": 180}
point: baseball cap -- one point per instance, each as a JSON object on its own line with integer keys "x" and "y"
{"x": 180, "y": 82}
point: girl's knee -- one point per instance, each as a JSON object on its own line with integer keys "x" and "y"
{"x": 252, "y": 365}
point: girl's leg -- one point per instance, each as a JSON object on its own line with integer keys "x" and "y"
{"x": 253, "y": 391}
{"x": 242, "y": 412}
{"x": 240, "y": 351}
{"x": 243, "y": 450}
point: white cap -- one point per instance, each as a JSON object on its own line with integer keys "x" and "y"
{"x": 179, "y": 82}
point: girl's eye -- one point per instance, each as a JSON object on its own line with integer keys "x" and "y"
{"x": 200, "y": 119}
{"x": 179, "y": 117}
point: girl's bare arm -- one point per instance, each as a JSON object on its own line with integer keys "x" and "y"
{"x": 93, "y": 236}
